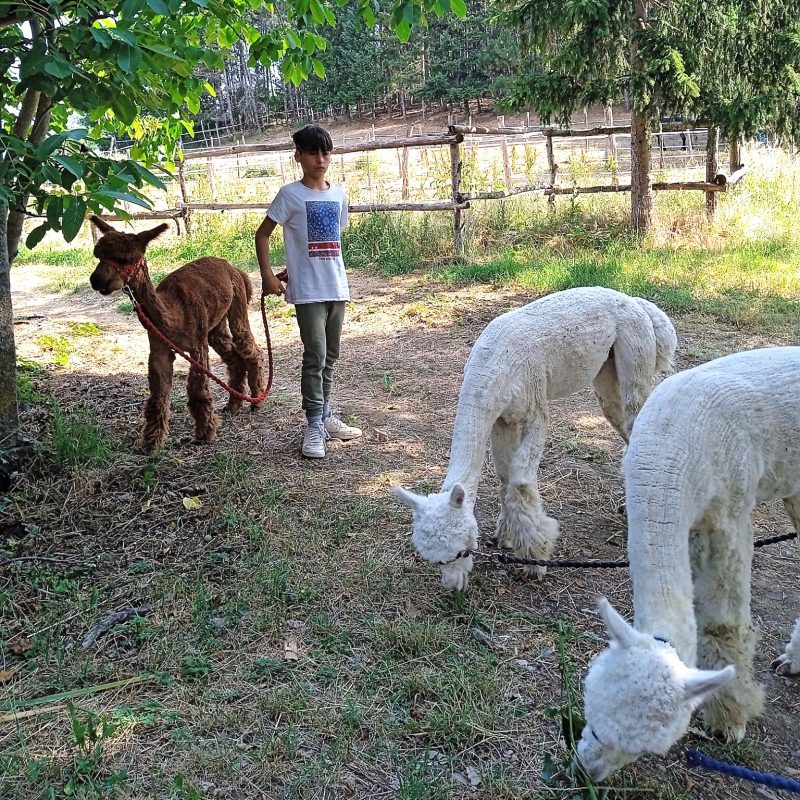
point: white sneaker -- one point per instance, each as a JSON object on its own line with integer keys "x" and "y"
{"x": 314, "y": 440}
{"x": 337, "y": 429}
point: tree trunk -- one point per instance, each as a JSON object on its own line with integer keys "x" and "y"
{"x": 641, "y": 189}
{"x": 734, "y": 153}
{"x": 15, "y": 219}
{"x": 9, "y": 419}
{"x": 712, "y": 144}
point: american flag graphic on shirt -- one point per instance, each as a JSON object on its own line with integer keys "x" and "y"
{"x": 322, "y": 218}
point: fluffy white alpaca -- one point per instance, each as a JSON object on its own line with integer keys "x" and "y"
{"x": 707, "y": 446}
{"x": 522, "y": 360}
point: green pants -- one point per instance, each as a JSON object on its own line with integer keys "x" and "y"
{"x": 321, "y": 333}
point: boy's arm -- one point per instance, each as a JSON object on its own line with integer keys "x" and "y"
{"x": 269, "y": 283}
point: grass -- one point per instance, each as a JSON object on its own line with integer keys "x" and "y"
{"x": 743, "y": 268}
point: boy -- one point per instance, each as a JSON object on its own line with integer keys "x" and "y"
{"x": 312, "y": 213}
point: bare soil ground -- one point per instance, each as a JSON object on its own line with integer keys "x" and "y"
{"x": 309, "y": 653}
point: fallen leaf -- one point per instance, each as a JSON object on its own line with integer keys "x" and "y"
{"x": 6, "y": 675}
{"x": 146, "y": 505}
{"x": 22, "y": 645}
{"x": 290, "y": 650}
{"x": 192, "y": 503}
{"x": 473, "y": 776}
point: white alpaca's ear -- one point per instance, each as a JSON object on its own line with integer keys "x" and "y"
{"x": 619, "y": 630}
{"x": 704, "y": 681}
{"x": 406, "y": 497}
{"x": 457, "y": 496}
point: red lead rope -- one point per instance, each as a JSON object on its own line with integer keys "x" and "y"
{"x": 150, "y": 326}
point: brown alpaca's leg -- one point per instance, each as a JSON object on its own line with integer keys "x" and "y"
{"x": 156, "y": 409}
{"x": 245, "y": 344}
{"x": 220, "y": 339}
{"x": 201, "y": 405}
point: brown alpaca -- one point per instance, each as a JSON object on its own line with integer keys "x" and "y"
{"x": 201, "y": 303}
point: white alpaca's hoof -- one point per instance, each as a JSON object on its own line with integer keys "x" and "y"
{"x": 535, "y": 572}
{"x": 784, "y": 665}
{"x": 732, "y": 733}
{"x": 455, "y": 576}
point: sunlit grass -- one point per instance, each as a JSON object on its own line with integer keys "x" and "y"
{"x": 743, "y": 267}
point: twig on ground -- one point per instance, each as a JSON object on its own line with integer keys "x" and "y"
{"x": 109, "y": 621}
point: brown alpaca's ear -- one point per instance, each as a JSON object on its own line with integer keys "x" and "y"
{"x": 145, "y": 237}
{"x": 100, "y": 224}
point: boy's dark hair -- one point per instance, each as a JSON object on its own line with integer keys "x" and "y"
{"x": 312, "y": 139}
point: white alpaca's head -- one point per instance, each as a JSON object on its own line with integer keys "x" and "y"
{"x": 638, "y": 697}
{"x": 444, "y": 532}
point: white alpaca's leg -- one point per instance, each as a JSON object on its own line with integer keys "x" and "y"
{"x": 607, "y": 392}
{"x": 722, "y": 556}
{"x": 528, "y": 530}
{"x": 788, "y": 662}
{"x": 506, "y": 438}
{"x": 635, "y": 363}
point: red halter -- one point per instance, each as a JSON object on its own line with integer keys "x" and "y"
{"x": 126, "y": 271}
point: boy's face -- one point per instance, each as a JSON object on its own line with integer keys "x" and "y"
{"x": 313, "y": 164}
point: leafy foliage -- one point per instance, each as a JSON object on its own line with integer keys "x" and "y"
{"x": 134, "y": 69}
{"x": 732, "y": 63}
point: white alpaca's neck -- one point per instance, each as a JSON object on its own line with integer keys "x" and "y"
{"x": 478, "y": 409}
{"x": 658, "y": 551}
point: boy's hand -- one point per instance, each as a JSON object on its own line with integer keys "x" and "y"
{"x": 273, "y": 286}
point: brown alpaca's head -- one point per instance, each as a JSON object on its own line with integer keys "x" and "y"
{"x": 120, "y": 254}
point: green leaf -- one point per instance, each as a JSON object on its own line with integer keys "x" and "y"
{"x": 459, "y": 8}
{"x": 368, "y": 15}
{"x": 36, "y": 235}
{"x": 158, "y": 7}
{"x": 130, "y": 8}
{"x": 123, "y": 108}
{"x": 129, "y": 59}
{"x": 55, "y": 209}
{"x": 58, "y": 67}
{"x": 73, "y": 218}
{"x": 123, "y": 35}
{"x": 317, "y": 11}
{"x": 319, "y": 67}
{"x": 50, "y": 145}
{"x": 126, "y": 196}
{"x": 403, "y": 30}
{"x": 210, "y": 89}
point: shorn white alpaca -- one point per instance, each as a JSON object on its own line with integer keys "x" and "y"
{"x": 522, "y": 360}
{"x": 707, "y": 446}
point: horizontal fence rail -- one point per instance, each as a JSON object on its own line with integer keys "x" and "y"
{"x": 455, "y": 140}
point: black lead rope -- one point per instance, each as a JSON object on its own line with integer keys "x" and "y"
{"x": 504, "y": 558}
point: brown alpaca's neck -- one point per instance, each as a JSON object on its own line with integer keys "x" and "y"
{"x": 145, "y": 293}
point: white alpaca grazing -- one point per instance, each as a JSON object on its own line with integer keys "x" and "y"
{"x": 522, "y": 360}
{"x": 707, "y": 446}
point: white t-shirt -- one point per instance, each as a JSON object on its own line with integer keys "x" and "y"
{"x": 312, "y": 220}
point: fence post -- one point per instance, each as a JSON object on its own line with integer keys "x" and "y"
{"x": 712, "y": 143}
{"x": 551, "y": 162}
{"x": 458, "y": 213}
{"x": 404, "y": 173}
{"x": 212, "y": 183}
{"x": 734, "y": 154}
{"x": 187, "y": 221}
{"x": 506, "y": 164}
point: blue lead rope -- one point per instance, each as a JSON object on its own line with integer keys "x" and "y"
{"x": 694, "y": 758}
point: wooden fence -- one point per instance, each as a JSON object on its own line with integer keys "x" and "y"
{"x": 459, "y": 201}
